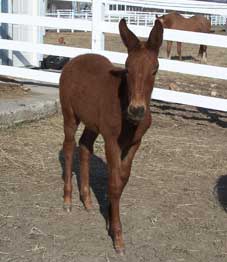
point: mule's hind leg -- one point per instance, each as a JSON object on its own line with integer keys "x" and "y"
{"x": 70, "y": 126}
{"x": 86, "y": 149}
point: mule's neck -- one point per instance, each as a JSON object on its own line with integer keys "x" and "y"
{"x": 123, "y": 95}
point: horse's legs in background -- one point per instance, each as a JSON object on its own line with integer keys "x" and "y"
{"x": 202, "y": 55}
{"x": 179, "y": 44}
{"x": 200, "y": 52}
{"x": 86, "y": 149}
{"x": 70, "y": 126}
{"x": 169, "y": 45}
{"x": 115, "y": 185}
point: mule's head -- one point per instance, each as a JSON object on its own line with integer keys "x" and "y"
{"x": 141, "y": 67}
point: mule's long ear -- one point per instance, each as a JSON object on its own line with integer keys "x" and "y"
{"x": 129, "y": 39}
{"x": 156, "y": 36}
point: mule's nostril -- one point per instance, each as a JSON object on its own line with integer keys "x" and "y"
{"x": 137, "y": 112}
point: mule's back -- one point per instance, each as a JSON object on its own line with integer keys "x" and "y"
{"x": 81, "y": 72}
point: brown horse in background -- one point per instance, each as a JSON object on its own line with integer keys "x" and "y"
{"x": 113, "y": 102}
{"x": 197, "y": 23}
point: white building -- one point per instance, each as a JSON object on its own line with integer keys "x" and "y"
{"x": 54, "y": 5}
{"x": 21, "y": 32}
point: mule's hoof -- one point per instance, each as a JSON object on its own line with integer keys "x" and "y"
{"x": 88, "y": 206}
{"x": 119, "y": 247}
{"x": 87, "y": 203}
{"x": 67, "y": 207}
{"x": 120, "y": 251}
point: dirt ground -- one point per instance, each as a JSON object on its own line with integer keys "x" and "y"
{"x": 173, "y": 208}
{"x": 9, "y": 90}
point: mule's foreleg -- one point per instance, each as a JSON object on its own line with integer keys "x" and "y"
{"x": 68, "y": 148}
{"x": 114, "y": 193}
{"x": 126, "y": 163}
{"x": 86, "y": 149}
{"x": 169, "y": 46}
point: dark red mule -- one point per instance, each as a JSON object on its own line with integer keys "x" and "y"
{"x": 113, "y": 102}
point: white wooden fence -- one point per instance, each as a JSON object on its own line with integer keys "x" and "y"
{"x": 132, "y": 17}
{"x": 99, "y": 26}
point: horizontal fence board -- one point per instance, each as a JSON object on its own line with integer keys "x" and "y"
{"x": 196, "y": 38}
{"x": 30, "y": 74}
{"x": 50, "y": 22}
{"x": 173, "y": 35}
{"x": 48, "y": 49}
{"x": 184, "y": 5}
{"x": 190, "y": 99}
{"x": 193, "y": 69}
{"x": 158, "y": 94}
{"x": 116, "y": 57}
{"x": 110, "y": 27}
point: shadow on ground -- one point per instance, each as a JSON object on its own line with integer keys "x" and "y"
{"x": 98, "y": 178}
{"x": 213, "y": 117}
{"x": 199, "y": 114}
{"x": 220, "y": 191}
{"x": 184, "y": 58}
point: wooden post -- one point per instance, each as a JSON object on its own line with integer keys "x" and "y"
{"x": 226, "y": 25}
{"x": 58, "y": 16}
{"x": 97, "y": 18}
{"x": 5, "y": 33}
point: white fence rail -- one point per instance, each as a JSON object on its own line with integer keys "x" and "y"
{"x": 132, "y": 17}
{"x": 190, "y": 6}
{"x": 99, "y": 26}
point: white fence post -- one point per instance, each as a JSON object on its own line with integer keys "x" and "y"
{"x": 72, "y": 17}
{"x": 97, "y": 18}
{"x": 58, "y": 16}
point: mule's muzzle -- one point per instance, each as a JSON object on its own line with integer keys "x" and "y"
{"x": 136, "y": 113}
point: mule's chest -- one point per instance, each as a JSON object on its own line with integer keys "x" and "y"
{"x": 132, "y": 133}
